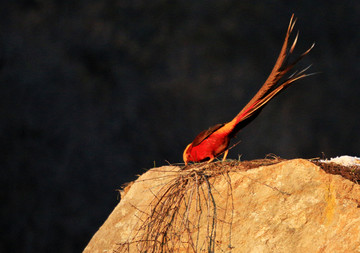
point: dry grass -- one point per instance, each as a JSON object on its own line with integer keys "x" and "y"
{"x": 167, "y": 226}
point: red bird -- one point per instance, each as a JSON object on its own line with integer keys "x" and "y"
{"x": 214, "y": 141}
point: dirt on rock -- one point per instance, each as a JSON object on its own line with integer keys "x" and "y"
{"x": 351, "y": 173}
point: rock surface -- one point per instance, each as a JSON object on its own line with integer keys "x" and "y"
{"x": 291, "y": 206}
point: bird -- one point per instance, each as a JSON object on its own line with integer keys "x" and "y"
{"x": 215, "y": 141}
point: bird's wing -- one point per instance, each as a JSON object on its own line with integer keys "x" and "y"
{"x": 204, "y": 134}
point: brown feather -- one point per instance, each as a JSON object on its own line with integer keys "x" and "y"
{"x": 206, "y": 133}
{"x": 274, "y": 75}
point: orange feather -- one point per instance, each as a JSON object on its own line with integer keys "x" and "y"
{"x": 214, "y": 141}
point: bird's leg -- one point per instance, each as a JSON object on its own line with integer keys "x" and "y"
{"x": 211, "y": 159}
{"x": 225, "y": 155}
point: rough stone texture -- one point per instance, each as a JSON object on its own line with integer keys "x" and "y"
{"x": 292, "y": 206}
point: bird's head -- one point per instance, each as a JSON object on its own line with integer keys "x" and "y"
{"x": 186, "y": 154}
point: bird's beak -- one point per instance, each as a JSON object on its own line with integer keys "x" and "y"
{"x": 185, "y": 156}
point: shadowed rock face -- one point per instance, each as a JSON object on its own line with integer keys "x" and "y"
{"x": 291, "y": 206}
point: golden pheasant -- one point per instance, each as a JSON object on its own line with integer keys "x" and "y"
{"x": 214, "y": 141}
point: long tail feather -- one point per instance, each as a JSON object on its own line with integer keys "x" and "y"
{"x": 276, "y": 72}
{"x": 275, "y": 83}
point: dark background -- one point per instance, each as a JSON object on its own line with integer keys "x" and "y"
{"x": 93, "y": 93}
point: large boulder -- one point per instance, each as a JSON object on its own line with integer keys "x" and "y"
{"x": 288, "y": 206}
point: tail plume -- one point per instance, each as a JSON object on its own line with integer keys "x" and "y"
{"x": 276, "y": 82}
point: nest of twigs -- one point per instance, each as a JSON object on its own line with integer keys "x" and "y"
{"x": 173, "y": 219}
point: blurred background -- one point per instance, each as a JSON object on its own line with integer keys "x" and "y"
{"x": 93, "y": 93}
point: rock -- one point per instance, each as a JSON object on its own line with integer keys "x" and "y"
{"x": 291, "y": 206}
